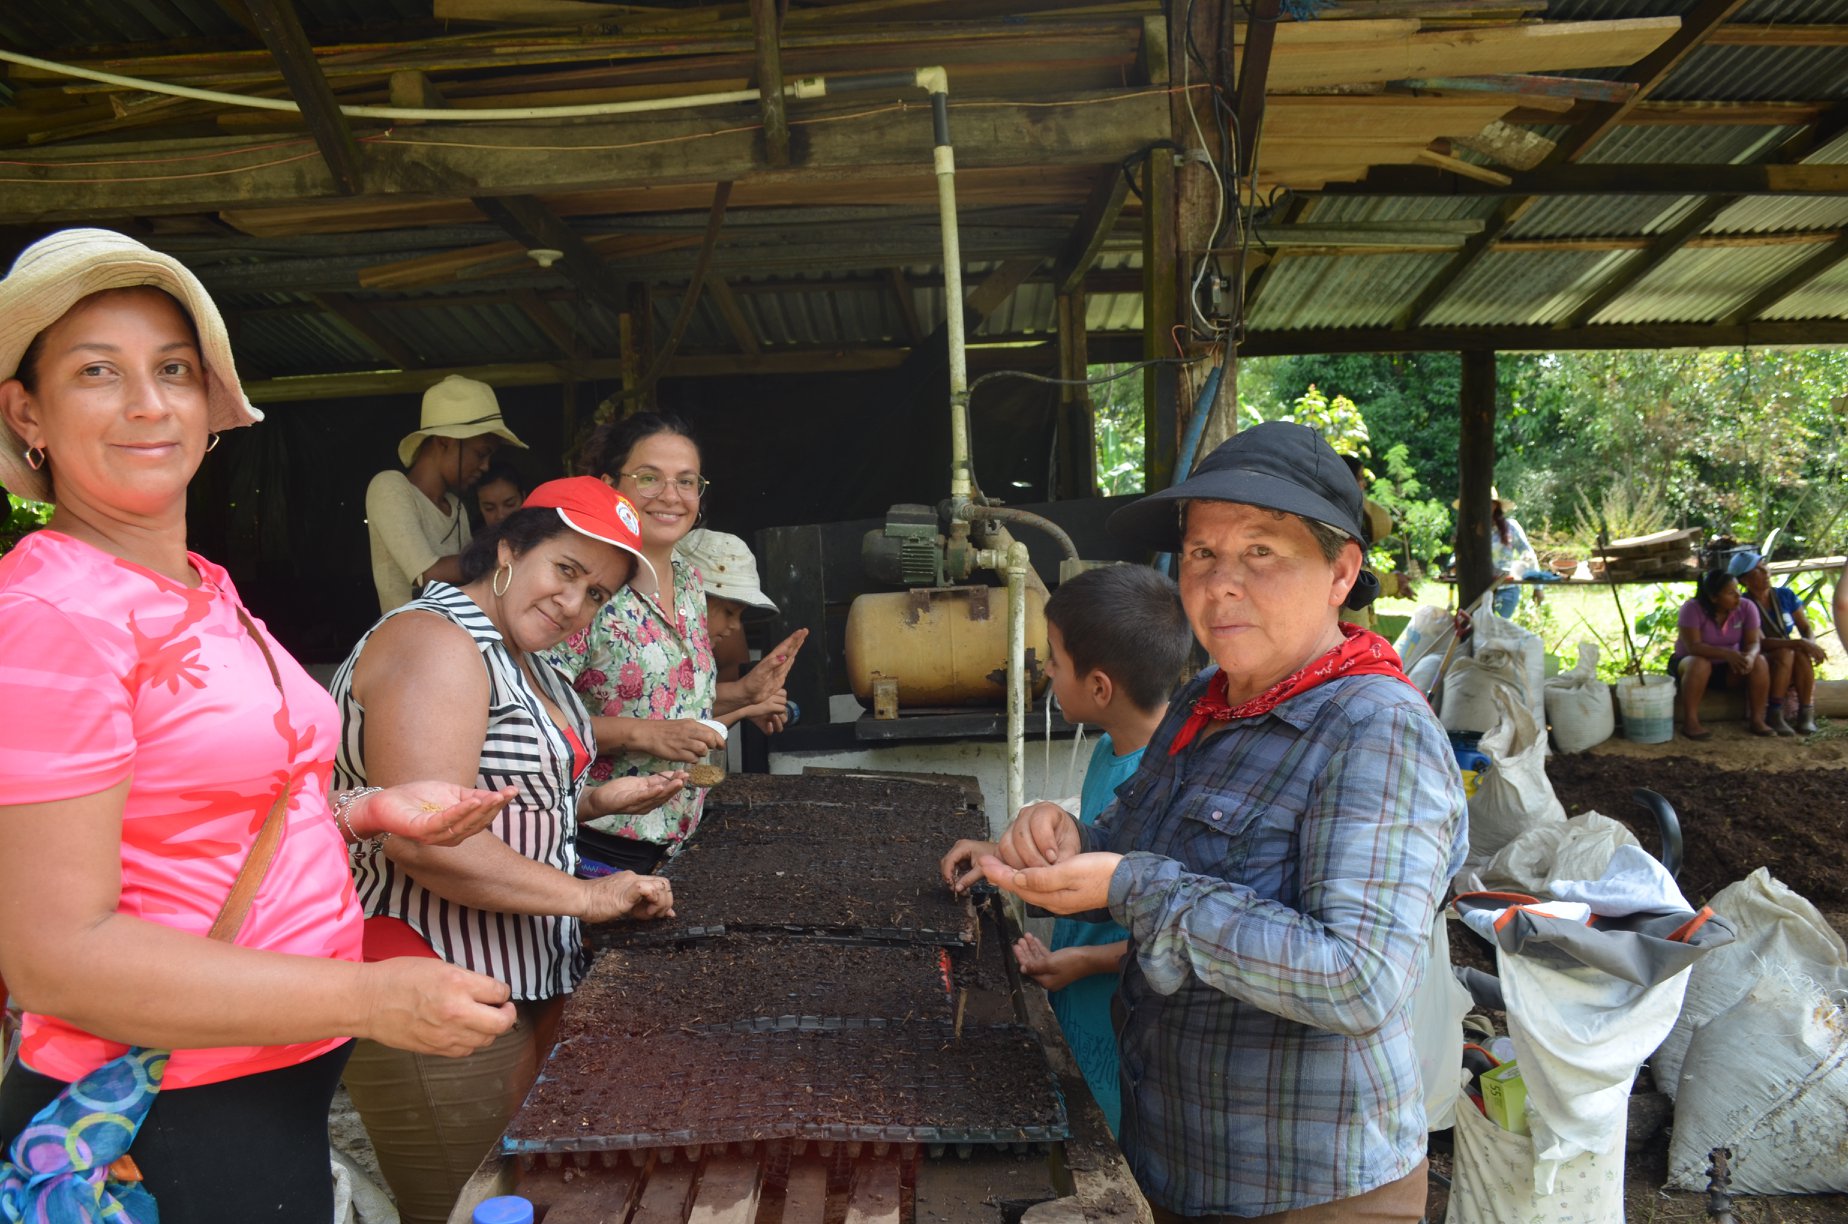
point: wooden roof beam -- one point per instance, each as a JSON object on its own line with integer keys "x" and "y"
{"x": 1095, "y": 222}
{"x": 531, "y": 222}
{"x": 282, "y": 33}
{"x": 1607, "y": 178}
{"x": 357, "y": 320}
{"x": 1805, "y": 333}
{"x": 1706, "y": 17}
{"x": 767, "y": 25}
{"x": 1663, "y": 245}
{"x": 907, "y": 306}
{"x": 727, "y": 302}
{"x": 1253, "y": 78}
{"x": 542, "y": 317}
{"x": 1095, "y": 128}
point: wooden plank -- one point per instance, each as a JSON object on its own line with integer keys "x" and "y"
{"x": 665, "y": 1194}
{"x": 1253, "y": 77}
{"x": 1160, "y": 315}
{"x": 806, "y": 1201}
{"x": 593, "y": 1196}
{"x": 728, "y": 1192}
{"x": 1610, "y": 178}
{"x": 874, "y": 1195}
{"x": 358, "y": 320}
{"x": 727, "y": 302}
{"x": 546, "y": 320}
{"x": 637, "y": 150}
{"x": 1095, "y": 221}
{"x": 282, "y": 34}
{"x": 1803, "y": 333}
{"x": 766, "y": 24}
{"x": 1743, "y": 34}
{"x": 907, "y": 306}
{"x": 1469, "y": 170}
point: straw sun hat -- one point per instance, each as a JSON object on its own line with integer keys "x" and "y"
{"x": 54, "y": 274}
{"x": 457, "y": 407}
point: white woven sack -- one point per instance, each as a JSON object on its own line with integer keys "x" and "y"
{"x": 1579, "y": 706}
{"x": 1776, "y": 928}
{"x": 1497, "y": 633}
{"x": 1767, "y": 1078}
{"x": 1580, "y": 848}
{"x": 1492, "y": 1179}
{"x": 1514, "y": 796}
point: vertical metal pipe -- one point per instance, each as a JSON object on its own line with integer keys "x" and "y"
{"x": 936, "y": 82}
{"x": 1017, "y": 569}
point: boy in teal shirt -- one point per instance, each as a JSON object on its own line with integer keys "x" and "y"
{"x": 1120, "y": 643}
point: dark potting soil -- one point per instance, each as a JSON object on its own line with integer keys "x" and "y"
{"x": 742, "y": 979}
{"x": 878, "y": 890}
{"x": 991, "y": 1084}
{"x": 1732, "y": 821}
{"x": 744, "y": 790}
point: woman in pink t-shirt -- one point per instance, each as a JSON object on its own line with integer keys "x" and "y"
{"x": 145, "y": 741}
{"x": 1718, "y": 646}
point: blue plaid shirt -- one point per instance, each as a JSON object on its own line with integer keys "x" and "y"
{"x": 1279, "y": 886}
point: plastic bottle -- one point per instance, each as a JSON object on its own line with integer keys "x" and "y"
{"x": 506, "y": 1209}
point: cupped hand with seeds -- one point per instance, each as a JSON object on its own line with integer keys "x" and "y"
{"x": 431, "y": 813}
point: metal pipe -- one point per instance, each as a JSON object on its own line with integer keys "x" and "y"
{"x": 1008, "y": 514}
{"x": 936, "y": 83}
{"x": 1018, "y": 568}
{"x": 1196, "y": 429}
{"x": 807, "y": 87}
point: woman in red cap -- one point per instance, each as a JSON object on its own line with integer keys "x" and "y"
{"x": 452, "y": 685}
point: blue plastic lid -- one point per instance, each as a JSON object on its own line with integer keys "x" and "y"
{"x": 507, "y": 1209}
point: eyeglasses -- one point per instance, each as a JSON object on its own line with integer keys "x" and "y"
{"x": 650, "y": 484}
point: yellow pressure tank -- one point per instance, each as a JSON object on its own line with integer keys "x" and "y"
{"x": 940, "y": 646}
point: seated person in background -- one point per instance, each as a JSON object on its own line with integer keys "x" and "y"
{"x": 1719, "y": 645}
{"x": 1789, "y": 646}
{"x": 1120, "y": 643}
{"x": 500, "y": 491}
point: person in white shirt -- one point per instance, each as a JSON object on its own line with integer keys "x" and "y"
{"x": 415, "y": 519}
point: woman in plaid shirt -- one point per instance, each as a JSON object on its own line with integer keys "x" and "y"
{"x": 1277, "y": 860}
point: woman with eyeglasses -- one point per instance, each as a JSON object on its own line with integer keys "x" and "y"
{"x": 644, "y": 667}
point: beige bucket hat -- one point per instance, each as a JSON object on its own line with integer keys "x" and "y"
{"x": 1507, "y": 504}
{"x": 457, "y": 407}
{"x": 54, "y": 274}
{"x": 726, "y": 565}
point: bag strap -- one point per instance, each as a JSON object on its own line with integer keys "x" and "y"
{"x": 263, "y": 851}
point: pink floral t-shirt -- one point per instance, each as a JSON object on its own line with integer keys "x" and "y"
{"x": 111, "y": 671}
{"x": 635, "y": 661}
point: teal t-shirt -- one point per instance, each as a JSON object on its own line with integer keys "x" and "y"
{"x": 1083, "y": 1008}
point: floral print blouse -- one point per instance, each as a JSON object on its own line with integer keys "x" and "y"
{"x": 635, "y": 662}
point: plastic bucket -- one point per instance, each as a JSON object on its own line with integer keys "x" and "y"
{"x": 1648, "y": 707}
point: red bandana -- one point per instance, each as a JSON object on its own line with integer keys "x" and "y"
{"x": 1361, "y": 653}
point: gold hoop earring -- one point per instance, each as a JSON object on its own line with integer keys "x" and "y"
{"x": 38, "y": 463}
{"x": 503, "y": 578}
{"x": 211, "y": 443}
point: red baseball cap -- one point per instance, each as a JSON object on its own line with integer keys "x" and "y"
{"x": 592, "y": 508}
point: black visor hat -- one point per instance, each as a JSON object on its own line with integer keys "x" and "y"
{"x": 1277, "y": 466}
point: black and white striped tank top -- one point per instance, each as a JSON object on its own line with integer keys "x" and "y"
{"x": 538, "y": 956}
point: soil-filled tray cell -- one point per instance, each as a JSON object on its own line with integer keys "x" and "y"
{"x": 906, "y": 1083}
{"x": 742, "y": 790}
{"x": 890, "y": 891}
{"x": 746, "y": 981}
{"x": 936, "y": 826}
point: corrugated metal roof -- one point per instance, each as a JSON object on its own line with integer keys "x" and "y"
{"x": 1768, "y": 12}
{"x": 1764, "y": 215}
{"x": 298, "y": 344}
{"x": 1822, "y": 298}
{"x": 1601, "y": 216}
{"x": 1331, "y": 209}
{"x": 1523, "y": 287}
{"x": 1318, "y": 291}
{"x": 1670, "y": 144}
{"x": 1755, "y": 74}
{"x": 1700, "y": 286}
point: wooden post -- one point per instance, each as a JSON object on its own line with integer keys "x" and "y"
{"x": 1160, "y": 284}
{"x": 1077, "y": 433}
{"x": 637, "y": 330}
{"x": 767, "y": 21}
{"x": 1476, "y": 465}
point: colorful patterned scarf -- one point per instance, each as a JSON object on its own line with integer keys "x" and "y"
{"x": 59, "y": 1168}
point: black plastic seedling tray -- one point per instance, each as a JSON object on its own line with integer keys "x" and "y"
{"x": 910, "y": 1083}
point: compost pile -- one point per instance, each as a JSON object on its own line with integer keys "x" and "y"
{"x": 1732, "y": 821}
{"x": 815, "y": 985}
